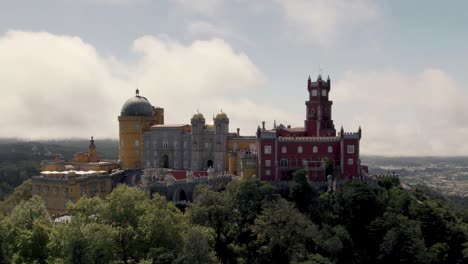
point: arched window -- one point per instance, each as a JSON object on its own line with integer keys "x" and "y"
{"x": 330, "y": 149}
{"x": 299, "y": 149}
{"x": 283, "y": 150}
{"x": 283, "y": 163}
{"x": 315, "y": 149}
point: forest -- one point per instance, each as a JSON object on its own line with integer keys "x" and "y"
{"x": 242, "y": 222}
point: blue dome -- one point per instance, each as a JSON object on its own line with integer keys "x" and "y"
{"x": 137, "y": 106}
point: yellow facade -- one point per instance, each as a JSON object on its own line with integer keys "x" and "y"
{"x": 131, "y": 130}
{"x": 240, "y": 158}
{"x": 58, "y": 189}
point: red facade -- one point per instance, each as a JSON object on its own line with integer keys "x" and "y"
{"x": 314, "y": 147}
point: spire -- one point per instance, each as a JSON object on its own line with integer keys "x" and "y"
{"x": 341, "y": 132}
{"x": 360, "y": 132}
{"x": 274, "y": 125}
{"x": 92, "y": 141}
{"x": 309, "y": 80}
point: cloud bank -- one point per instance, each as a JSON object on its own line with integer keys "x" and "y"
{"x": 56, "y": 86}
{"x": 404, "y": 114}
{"x": 60, "y": 86}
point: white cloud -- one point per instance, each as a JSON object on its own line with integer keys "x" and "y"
{"x": 322, "y": 21}
{"x": 203, "y": 7}
{"x": 60, "y": 86}
{"x": 205, "y": 29}
{"x": 403, "y": 114}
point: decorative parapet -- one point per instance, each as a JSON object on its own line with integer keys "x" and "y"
{"x": 349, "y": 135}
{"x": 309, "y": 139}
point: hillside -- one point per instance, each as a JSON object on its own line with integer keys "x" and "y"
{"x": 244, "y": 222}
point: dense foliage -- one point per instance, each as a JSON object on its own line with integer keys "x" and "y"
{"x": 244, "y": 222}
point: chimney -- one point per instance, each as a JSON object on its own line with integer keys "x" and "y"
{"x": 238, "y": 132}
{"x": 263, "y": 125}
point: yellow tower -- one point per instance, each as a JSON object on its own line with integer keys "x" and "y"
{"x": 137, "y": 116}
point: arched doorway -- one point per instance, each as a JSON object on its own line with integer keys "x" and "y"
{"x": 165, "y": 162}
{"x": 182, "y": 195}
{"x": 209, "y": 164}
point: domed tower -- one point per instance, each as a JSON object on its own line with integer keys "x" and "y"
{"x": 137, "y": 116}
{"x": 221, "y": 122}
{"x": 198, "y": 125}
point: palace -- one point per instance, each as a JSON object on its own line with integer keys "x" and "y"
{"x": 146, "y": 142}
{"x": 273, "y": 155}
{"x": 173, "y": 159}
{"x": 314, "y": 147}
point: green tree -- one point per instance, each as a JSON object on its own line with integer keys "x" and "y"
{"x": 216, "y": 210}
{"x": 198, "y": 246}
{"x": 304, "y": 195}
{"x": 27, "y": 229}
{"x": 282, "y": 232}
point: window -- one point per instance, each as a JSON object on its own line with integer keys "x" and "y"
{"x": 330, "y": 149}
{"x": 324, "y": 92}
{"x": 314, "y": 92}
{"x": 350, "y": 148}
{"x": 350, "y": 161}
{"x": 46, "y": 190}
{"x": 165, "y": 143}
{"x": 267, "y": 150}
{"x": 234, "y": 146}
{"x": 267, "y": 163}
{"x": 315, "y": 149}
{"x": 267, "y": 172}
{"x": 312, "y": 112}
{"x": 155, "y": 153}
{"x": 55, "y": 191}
{"x": 137, "y": 143}
{"x": 185, "y": 144}
{"x": 175, "y": 144}
{"x": 207, "y": 145}
{"x": 37, "y": 189}
{"x": 299, "y": 149}
{"x": 283, "y": 163}
{"x": 284, "y": 150}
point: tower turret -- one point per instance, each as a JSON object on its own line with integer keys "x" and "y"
{"x": 319, "y": 122}
{"x": 136, "y": 117}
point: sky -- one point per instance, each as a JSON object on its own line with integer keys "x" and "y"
{"x": 398, "y": 68}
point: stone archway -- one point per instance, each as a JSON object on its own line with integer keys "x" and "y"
{"x": 180, "y": 196}
{"x": 165, "y": 162}
{"x": 209, "y": 164}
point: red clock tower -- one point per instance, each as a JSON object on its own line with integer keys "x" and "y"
{"x": 319, "y": 122}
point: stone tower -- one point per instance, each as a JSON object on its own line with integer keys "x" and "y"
{"x": 319, "y": 122}
{"x": 221, "y": 123}
{"x": 198, "y": 125}
{"x": 137, "y": 115}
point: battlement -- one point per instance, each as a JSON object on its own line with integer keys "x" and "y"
{"x": 349, "y": 135}
{"x": 309, "y": 139}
